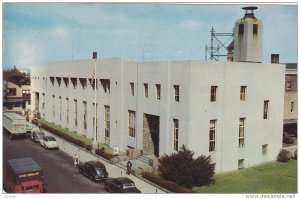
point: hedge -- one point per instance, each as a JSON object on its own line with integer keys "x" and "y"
{"x": 101, "y": 152}
{"x": 170, "y": 185}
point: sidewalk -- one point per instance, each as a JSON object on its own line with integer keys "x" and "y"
{"x": 113, "y": 170}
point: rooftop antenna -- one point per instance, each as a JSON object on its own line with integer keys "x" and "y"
{"x": 214, "y": 51}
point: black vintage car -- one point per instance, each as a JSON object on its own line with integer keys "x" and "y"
{"x": 121, "y": 185}
{"x": 287, "y": 139}
{"x": 94, "y": 170}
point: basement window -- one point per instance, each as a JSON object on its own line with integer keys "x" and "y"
{"x": 241, "y": 164}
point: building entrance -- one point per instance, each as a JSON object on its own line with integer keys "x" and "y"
{"x": 150, "y": 134}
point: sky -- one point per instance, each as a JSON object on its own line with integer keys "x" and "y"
{"x": 37, "y": 33}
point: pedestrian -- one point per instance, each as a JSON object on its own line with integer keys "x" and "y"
{"x": 39, "y": 125}
{"x": 129, "y": 165}
{"x": 76, "y": 160}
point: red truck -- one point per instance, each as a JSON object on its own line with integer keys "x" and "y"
{"x": 23, "y": 175}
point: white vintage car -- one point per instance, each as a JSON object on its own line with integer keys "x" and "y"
{"x": 49, "y": 142}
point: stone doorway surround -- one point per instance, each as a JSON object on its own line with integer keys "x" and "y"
{"x": 150, "y": 134}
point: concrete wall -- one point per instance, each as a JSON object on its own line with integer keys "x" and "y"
{"x": 228, "y": 109}
{"x": 248, "y": 46}
{"x": 193, "y": 111}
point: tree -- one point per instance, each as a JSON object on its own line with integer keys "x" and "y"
{"x": 183, "y": 169}
{"x": 19, "y": 78}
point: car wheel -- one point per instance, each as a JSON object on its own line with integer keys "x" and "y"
{"x": 91, "y": 178}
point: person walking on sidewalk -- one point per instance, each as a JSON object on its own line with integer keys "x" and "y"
{"x": 129, "y": 165}
{"x": 76, "y": 160}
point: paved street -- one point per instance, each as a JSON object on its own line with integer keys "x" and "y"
{"x": 59, "y": 174}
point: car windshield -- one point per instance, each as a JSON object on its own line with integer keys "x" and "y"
{"x": 40, "y": 135}
{"x": 128, "y": 185}
{"x": 99, "y": 171}
{"x": 51, "y": 139}
{"x": 33, "y": 187}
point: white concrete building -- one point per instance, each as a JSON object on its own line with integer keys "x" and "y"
{"x": 232, "y": 111}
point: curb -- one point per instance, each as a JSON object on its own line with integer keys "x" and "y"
{"x": 107, "y": 161}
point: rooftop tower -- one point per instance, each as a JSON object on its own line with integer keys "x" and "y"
{"x": 248, "y": 38}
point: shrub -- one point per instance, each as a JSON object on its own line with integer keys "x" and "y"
{"x": 183, "y": 169}
{"x": 283, "y": 156}
{"x": 295, "y": 154}
{"x": 172, "y": 186}
{"x": 101, "y": 152}
{"x": 88, "y": 147}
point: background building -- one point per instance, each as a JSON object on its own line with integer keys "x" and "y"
{"x": 291, "y": 99}
{"x": 16, "y": 90}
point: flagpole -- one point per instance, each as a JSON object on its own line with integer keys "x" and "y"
{"x": 95, "y": 106}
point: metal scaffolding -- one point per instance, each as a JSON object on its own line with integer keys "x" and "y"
{"x": 214, "y": 51}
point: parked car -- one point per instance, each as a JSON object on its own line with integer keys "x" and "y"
{"x": 121, "y": 185}
{"x": 94, "y": 170}
{"x": 49, "y": 142}
{"x": 37, "y": 136}
{"x": 29, "y": 127}
{"x": 288, "y": 140}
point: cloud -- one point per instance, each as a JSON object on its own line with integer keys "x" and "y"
{"x": 24, "y": 53}
{"x": 59, "y": 31}
{"x": 191, "y": 24}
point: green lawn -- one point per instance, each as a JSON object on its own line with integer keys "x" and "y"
{"x": 272, "y": 177}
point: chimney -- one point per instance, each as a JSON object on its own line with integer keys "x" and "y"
{"x": 248, "y": 38}
{"x": 94, "y": 55}
{"x": 274, "y": 58}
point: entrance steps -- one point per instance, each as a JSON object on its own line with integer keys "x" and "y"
{"x": 148, "y": 159}
{"x": 140, "y": 164}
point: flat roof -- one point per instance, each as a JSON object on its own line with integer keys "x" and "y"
{"x": 24, "y": 165}
{"x": 13, "y": 115}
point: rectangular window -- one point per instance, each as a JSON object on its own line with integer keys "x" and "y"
{"x": 105, "y": 85}
{"x": 241, "y": 28}
{"x": 158, "y": 91}
{"x": 11, "y": 92}
{"x": 255, "y": 28}
{"x": 53, "y": 106}
{"x": 26, "y": 93}
{"x": 84, "y": 115}
{"x": 43, "y": 105}
{"x": 107, "y": 121}
{"x": 243, "y": 93}
{"x": 176, "y": 93}
{"x": 175, "y": 132}
{"x": 75, "y": 114}
{"x": 131, "y": 124}
{"x": 213, "y": 93}
{"x": 74, "y": 82}
{"x": 288, "y": 85}
{"x": 83, "y": 82}
{"x": 146, "y": 90}
{"x": 212, "y": 135}
{"x": 241, "y": 164}
{"x": 60, "y": 108}
{"x": 67, "y": 99}
{"x": 264, "y": 149}
{"x": 266, "y": 109}
{"x": 292, "y": 107}
{"x": 242, "y": 133}
{"x": 132, "y": 88}
{"x": 95, "y": 128}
